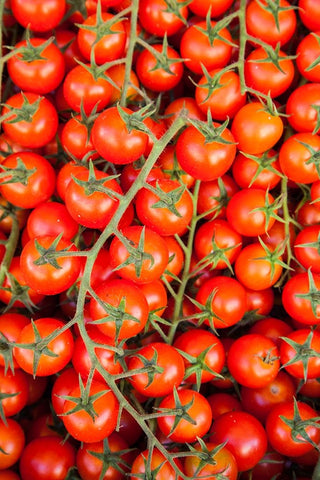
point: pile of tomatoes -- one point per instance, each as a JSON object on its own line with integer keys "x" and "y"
{"x": 160, "y": 239}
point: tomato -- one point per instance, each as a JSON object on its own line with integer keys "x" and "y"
{"x": 220, "y": 462}
{"x": 192, "y": 418}
{"x": 224, "y": 301}
{"x": 299, "y": 298}
{"x": 51, "y": 218}
{"x": 308, "y": 213}
{"x": 220, "y": 93}
{"x": 76, "y": 139}
{"x": 167, "y": 369}
{"x": 271, "y": 327}
{"x": 66, "y": 41}
{"x": 251, "y": 212}
{"x": 156, "y": 296}
{"x": 306, "y": 249}
{"x": 288, "y": 430}
{"x": 63, "y": 384}
{"x": 113, "y": 141}
{"x": 299, "y": 353}
{"x": 197, "y": 48}
{"x": 108, "y": 44}
{"x": 222, "y": 402}
{"x": 38, "y": 15}
{"x": 16, "y": 386}
{"x": 262, "y": 171}
{"x": 46, "y": 358}
{"x": 206, "y": 158}
{"x": 11, "y": 324}
{"x": 214, "y": 196}
{"x": 39, "y": 75}
{"x": 244, "y": 435}
{"x": 309, "y": 14}
{"x": 106, "y": 358}
{"x": 90, "y": 466}
{"x": 205, "y": 355}
{"x": 159, "y": 466}
{"x": 166, "y": 206}
{"x": 117, "y": 74}
{"x": 260, "y": 400}
{"x": 87, "y": 202}
{"x": 141, "y": 255}
{"x": 46, "y": 458}
{"x": 302, "y": 108}
{"x": 35, "y": 129}
{"x": 12, "y": 442}
{"x": 152, "y": 74}
{"x": 308, "y": 51}
{"x": 156, "y": 18}
{"x": 269, "y": 26}
{"x": 255, "y": 129}
{"x": 176, "y": 259}
{"x": 8, "y": 475}
{"x": 124, "y": 312}
{"x": 83, "y": 424}
{"x": 201, "y": 7}
{"x": 182, "y": 105}
{"x": 271, "y": 466}
{"x": 80, "y": 87}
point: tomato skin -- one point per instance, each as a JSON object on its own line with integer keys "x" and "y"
{"x": 80, "y": 424}
{"x": 63, "y": 384}
{"x": 308, "y": 257}
{"x": 195, "y": 342}
{"x": 200, "y": 412}
{"x": 51, "y": 218}
{"x": 280, "y": 434}
{"x": 205, "y": 160}
{"x": 273, "y": 328}
{"x": 244, "y": 435}
{"x": 113, "y": 141}
{"x": 40, "y": 184}
{"x": 297, "y": 307}
{"x": 261, "y": 23}
{"x": 300, "y": 368}
{"x": 308, "y": 50}
{"x": 38, "y": 15}
{"x": 46, "y": 278}
{"x": 113, "y": 292}
{"x": 161, "y": 219}
{"x": 158, "y": 464}
{"x": 228, "y": 302}
{"x": 76, "y": 139}
{"x": 37, "y": 132}
{"x": 223, "y": 463}
{"x": 246, "y": 171}
{"x": 38, "y": 76}
{"x": 155, "y": 19}
{"x": 156, "y": 78}
{"x": 309, "y": 13}
{"x": 259, "y": 401}
{"x": 46, "y": 458}
{"x": 214, "y": 196}
{"x": 11, "y": 324}
{"x": 151, "y": 267}
{"x": 16, "y": 384}
{"x": 255, "y": 130}
{"x": 61, "y": 346}
{"x": 197, "y": 50}
{"x": 12, "y": 442}
{"x": 163, "y": 383}
{"x": 201, "y": 7}
{"x": 302, "y": 116}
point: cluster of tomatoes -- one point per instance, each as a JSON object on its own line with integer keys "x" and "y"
{"x": 160, "y": 239}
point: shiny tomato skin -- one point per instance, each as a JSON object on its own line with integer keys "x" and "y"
{"x": 244, "y": 435}
{"x": 309, "y": 13}
{"x": 296, "y": 300}
{"x": 158, "y": 464}
{"x": 300, "y": 107}
{"x": 38, "y": 15}
{"x": 155, "y": 18}
{"x": 308, "y": 255}
{"x": 247, "y": 172}
{"x": 61, "y": 346}
{"x": 17, "y": 385}
{"x": 46, "y": 458}
{"x": 222, "y": 463}
{"x": 51, "y": 218}
{"x": 301, "y": 368}
{"x": 12, "y": 442}
{"x": 308, "y": 50}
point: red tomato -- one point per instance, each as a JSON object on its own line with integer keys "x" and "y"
{"x": 48, "y": 274}
{"x": 299, "y": 298}
{"x": 46, "y": 458}
{"x": 302, "y": 108}
{"x": 159, "y": 466}
{"x": 255, "y": 129}
{"x": 166, "y": 206}
{"x": 271, "y": 327}
{"x": 30, "y": 181}
{"x": 306, "y": 248}
{"x": 76, "y": 139}
{"x": 224, "y": 301}
{"x": 12, "y": 442}
{"x": 51, "y": 356}
{"x": 287, "y": 423}
{"x": 244, "y": 435}
{"x": 85, "y": 426}
{"x": 156, "y": 18}
{"x": 262, "y": 171}
{"x": 167, "y": 369}
{"x": 156, "y": 296}
{"x": 40, "y": 75}
{"x": 38, "y": 15}
{"x": 11, "y": 324}
{"x": 51, "y": 218}
{"x": 214, "y": 196}
{"x": 300, "y": 353}
{"x": 220, "y": 462}
{"x": 112, "y": 139}
{"x": 201, "y": 7}
{"x": 141, "y": 255}
{"x": 35, "y": 129}
{"x": 222, "y": 402}
{"x": 308, "y": 51}
{"x": 309, "y": 12}
{"x": 62, "y": 385}
{"x": 124, "y": 312}
{"x": 192, "y": 420}
{"x": 16, "y": 386}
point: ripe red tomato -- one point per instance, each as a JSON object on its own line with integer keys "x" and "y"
{"x": 220, "y": 462}
{"x": 39, "y": 75}
{"x": 300, "y": 353}
{"x": 16, "y": 386}
{"x": 38, "y": 15}
{"x": 309, "y": 12}
{"x": 244, "y": 435}
{"x": 156, "y": 18}
{"x": 191, "y": 405}
{"x": 302, "y": 108}
{"x": 124, "y": 312}
{"x": 299, "y": 298}
{"x": 255, "y": 129}
{"x": 159, "y": 466}
{"x": 48, "y": 358}
{"x": 11, "y": 324}
{"x": 51, "y": 218}
{"x": 82, "y": 424}
{"x": 37, "y": 128}
{"x": 214, "y": 196}
{"x": 306, "y": 249}
{"x": 201, "y": 7}
{"x": 12, "y": 442}
{"x": 307, "y": 53}
{"x": 47, "y": 458}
